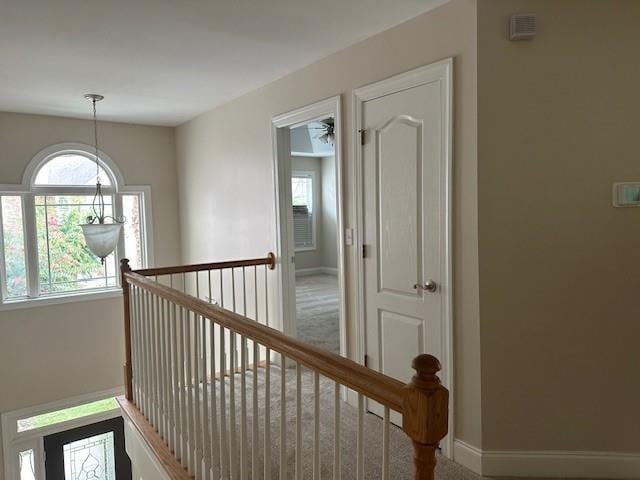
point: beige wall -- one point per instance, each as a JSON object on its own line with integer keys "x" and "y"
{"x": 56, "y": 352}
{"x": 226, "y": 178}
{"x": 558, "y": 124}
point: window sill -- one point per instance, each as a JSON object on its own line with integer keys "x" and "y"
{"x": 305, "y": 249}
{"x": 59, "y": 299}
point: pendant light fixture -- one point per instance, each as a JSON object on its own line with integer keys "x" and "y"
{"x": 100, "y": 237}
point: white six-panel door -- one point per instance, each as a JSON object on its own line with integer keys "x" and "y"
{"x": 405, "y": 174}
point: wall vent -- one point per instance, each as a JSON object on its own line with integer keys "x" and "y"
{"x": 523, "y": 27}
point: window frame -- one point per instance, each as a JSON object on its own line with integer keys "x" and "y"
{"x": 27, "y": 191}
{"x": 314, "y": 208}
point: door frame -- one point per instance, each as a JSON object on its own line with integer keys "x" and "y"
{"x": 285, "y": 249}
{"x": 13, "y": 441}
{"x": 441, "y": 71}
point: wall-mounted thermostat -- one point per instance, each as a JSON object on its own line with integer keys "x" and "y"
{"x": 626, "y": 194}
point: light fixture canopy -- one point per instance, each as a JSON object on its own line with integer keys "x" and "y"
{"x": 101, "y": 238}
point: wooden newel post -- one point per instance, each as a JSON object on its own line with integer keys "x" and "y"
{"x": 128, "y": 371}
{"x": 425, "y": 414}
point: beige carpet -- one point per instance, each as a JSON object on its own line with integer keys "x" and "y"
{"x": 401, "y": 449}
{"x": 317, "y": 311}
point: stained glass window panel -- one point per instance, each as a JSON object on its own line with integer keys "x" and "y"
{"x": 27, "y": 468}
{"x": 90, "y": 458}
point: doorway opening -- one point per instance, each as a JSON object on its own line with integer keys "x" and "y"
{"x": 309, "y": 204}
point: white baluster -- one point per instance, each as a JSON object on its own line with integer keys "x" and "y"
{"x": 244, "y": 464}
{"x": 143, "y": 352}
{"x": 267, "y": 414}
{"x": 133, "y": 323}
{"x": 196, "y": 393}
{"x": 210, "y": 289}
{"x": 175, "y": 402}
{"x": 385, "y": 445}
{"x": 224, "y": 439}
{"x": 266, "y": 298}
{"x": 316, "y": 426}
{"x": 255, "y": 441}
{"x": 189, "y": 385}
{"x": 235, "y": 466}
{"x": 337, "y": 460}
{"x": 132, "y": 329}
{"x": 299, "y": 445}
{"x": 167, "y": 371}
{"x": 149, "y": 351}
{"x": 360, "y": 440}
{"x": 215, "y": 435}
{"x": 283, "y": 419}
{"x": 166, "y": 390}
{"x": 206, "y": 436}
{"x": 154, "y": 364}
{"x": 221, "y": 288}
{"x": 255, "y": 291}
{"x": 244, "y": 292}
{"x": 184, "y": 423}
{"x": 162, "y": 367}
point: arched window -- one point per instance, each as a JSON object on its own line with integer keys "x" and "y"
{"x": 43, "y": 252}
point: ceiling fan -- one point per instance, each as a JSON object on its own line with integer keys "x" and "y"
{"x": 326, "y": 131}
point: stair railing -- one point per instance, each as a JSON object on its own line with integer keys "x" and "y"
{"x": 187, "y": 341}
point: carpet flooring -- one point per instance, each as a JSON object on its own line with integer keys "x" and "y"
{"x": 317, "y": 311}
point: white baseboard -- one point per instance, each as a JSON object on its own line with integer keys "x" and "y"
{"x": 549, "y": 464}
{"x": 468, "y": 456}
{"x": 304, "y": 272}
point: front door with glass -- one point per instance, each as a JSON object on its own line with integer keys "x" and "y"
{"x": 93, "y": 451}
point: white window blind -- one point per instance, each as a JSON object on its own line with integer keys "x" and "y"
{"x": 302, "y": 200}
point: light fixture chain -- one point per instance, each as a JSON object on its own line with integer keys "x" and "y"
{"x": 95, "y": 138}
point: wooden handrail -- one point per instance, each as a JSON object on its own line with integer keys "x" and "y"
{"x": 269, "y": 260}
{"x": 378, "y": 387}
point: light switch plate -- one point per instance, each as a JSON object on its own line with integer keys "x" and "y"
{"x": 626, "y": 194}
{"x": 348, "y": 236}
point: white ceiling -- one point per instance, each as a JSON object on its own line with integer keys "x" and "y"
{"x": 162, "y": 62}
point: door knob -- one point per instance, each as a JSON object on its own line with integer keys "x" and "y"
{"x": 429, "y": 286}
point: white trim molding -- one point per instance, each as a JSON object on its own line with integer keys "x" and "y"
{"x": 441, "y": 71}
{"x": 306, "y": 272}
{"x": 13, "y": 441}
{"x": 468, "y": 456}
{"x": 551, "y": 464}
{"x": 330, "y": 107}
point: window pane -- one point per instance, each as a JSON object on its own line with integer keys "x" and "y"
{"x": 92, "y": 457}
{"x": 66, "y": 414}
{"x": 70, "y": 169}
{"x": 132, "y": 230}
{"x": 65, "y": 262}
{"x": 13, "y": 236}
{"x": 302, "y": 200}
{"x": 302, "y": 191}
{"x": 26, "y": 461}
